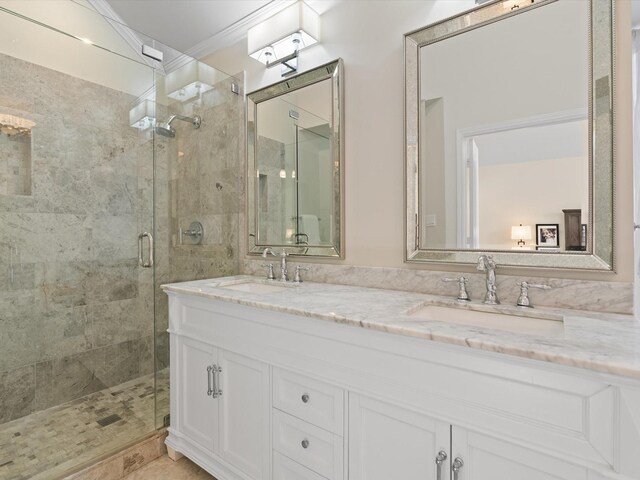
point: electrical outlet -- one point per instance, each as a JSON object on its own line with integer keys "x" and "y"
{"x": 430, "y": 220}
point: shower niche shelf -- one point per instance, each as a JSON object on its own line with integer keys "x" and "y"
{"x": 15, "y": 155}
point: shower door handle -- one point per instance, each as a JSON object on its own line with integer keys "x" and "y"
{"x": 149, "y": 262}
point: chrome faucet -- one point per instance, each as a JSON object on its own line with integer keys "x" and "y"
{"x": 283, "y": 262}
{"x": 488, "y": 265}
{"x": 523, "y": 298}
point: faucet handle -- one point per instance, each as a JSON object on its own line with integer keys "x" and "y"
{"x": 523, "y": 298}
{"x": 297, "y": 278}
{"x": 462, "y": 284}
{"x": 270, "y": 274}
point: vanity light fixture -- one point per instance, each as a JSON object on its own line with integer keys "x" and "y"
{"x": 278, "y": 39}
{"x": 521, "y": 233}
{"x": 190, "y": 80}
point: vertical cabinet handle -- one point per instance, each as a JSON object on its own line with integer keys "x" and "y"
{"x": 456, "y": 466}
{"x": 216, "y": 392}
{"x": 209, "y": 388}
{"x": 218, "y": 372}
{"x": 442, "y": 456}
{"x": 149, "y": 262}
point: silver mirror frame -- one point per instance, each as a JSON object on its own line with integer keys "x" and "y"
{"x": 600, "y": 255}
{"x": 335, "y": 72}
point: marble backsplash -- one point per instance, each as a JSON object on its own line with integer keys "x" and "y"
{"x": 594, "y": 296}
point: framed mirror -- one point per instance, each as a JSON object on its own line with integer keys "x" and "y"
{"x": 509, "y": 135}
{"x": 295, "y": 164}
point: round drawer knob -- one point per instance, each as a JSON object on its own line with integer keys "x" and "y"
{"x": 305, "y": 398}
{"x": 305, "y": 443}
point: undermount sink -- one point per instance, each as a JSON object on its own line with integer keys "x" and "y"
{"x": 530, "y": 323}
{"x": 253, "y": 286}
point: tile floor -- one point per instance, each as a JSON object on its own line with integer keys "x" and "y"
{"x": 165, "y": 468}
{"x": 47, "y": 444}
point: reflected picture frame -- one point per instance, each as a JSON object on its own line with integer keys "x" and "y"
{"x": 547, "y": 235}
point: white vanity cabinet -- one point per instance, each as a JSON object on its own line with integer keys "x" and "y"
{"x": 486, "y": 457}
{"x": 308, "y": 427}
{"x": 222, "y": 405}
{"x": 386, "y": 441}
{"x": 391, "y": 442}
{"x": 309, "y": 399}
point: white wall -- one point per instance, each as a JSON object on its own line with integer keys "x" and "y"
{"x": 516, "y": 189}
{"x": 273, "y": 115}
{"x": 369, "y": 37}
{"x": 484, "y": 80}
{"x": 95, "y": 62}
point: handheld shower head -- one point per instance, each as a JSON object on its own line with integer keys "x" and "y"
{"x": 166, "y": 130}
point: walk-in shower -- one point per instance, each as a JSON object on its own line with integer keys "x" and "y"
{"x": 83, "y": 326}
{"x": 166, "y": 130}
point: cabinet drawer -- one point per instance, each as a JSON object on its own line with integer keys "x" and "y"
{"x": 286, "y": 469}
{"x": 311, "y": 400}
{"x": 313, "y": 447}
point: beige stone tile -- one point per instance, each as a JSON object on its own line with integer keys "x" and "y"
{"x": 165, "y": 468}
{"x": 110, "y": 469}
{"x": 17, "y": 393}
{"x": 46, "y": 444}
{"x": 143, "y": 454}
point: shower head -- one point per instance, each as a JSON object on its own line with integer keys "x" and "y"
{"x": 166, "y": 130}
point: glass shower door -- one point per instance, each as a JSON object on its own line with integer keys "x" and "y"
{"x": 76, "y": 190}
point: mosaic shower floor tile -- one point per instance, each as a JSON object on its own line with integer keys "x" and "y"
{"x": 46, "y": 444}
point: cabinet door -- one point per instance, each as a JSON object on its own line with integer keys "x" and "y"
{"x": 198, "y": 410}
{"x": 244, "y": 415}
{"x": 386, "y": 441}
{"x": 488, "y": 458}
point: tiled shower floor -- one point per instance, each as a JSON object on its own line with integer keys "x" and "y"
{"x": 46, "y": 444}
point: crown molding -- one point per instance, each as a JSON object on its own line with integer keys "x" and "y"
{"x": 121, "y": 28}
{"x": 224, "y": 38}
{"x": 236, "y": 31}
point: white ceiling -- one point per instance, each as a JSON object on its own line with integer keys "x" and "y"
{"x": 182, "y": 24}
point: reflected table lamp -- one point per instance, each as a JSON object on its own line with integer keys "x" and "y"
{"x": 521, "y": 233}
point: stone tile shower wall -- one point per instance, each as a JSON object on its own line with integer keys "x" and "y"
{"x": 200, "y": 176}
{"x": 76, "y": 313}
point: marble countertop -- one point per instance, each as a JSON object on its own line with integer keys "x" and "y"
{"x": 602, "y": 342}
